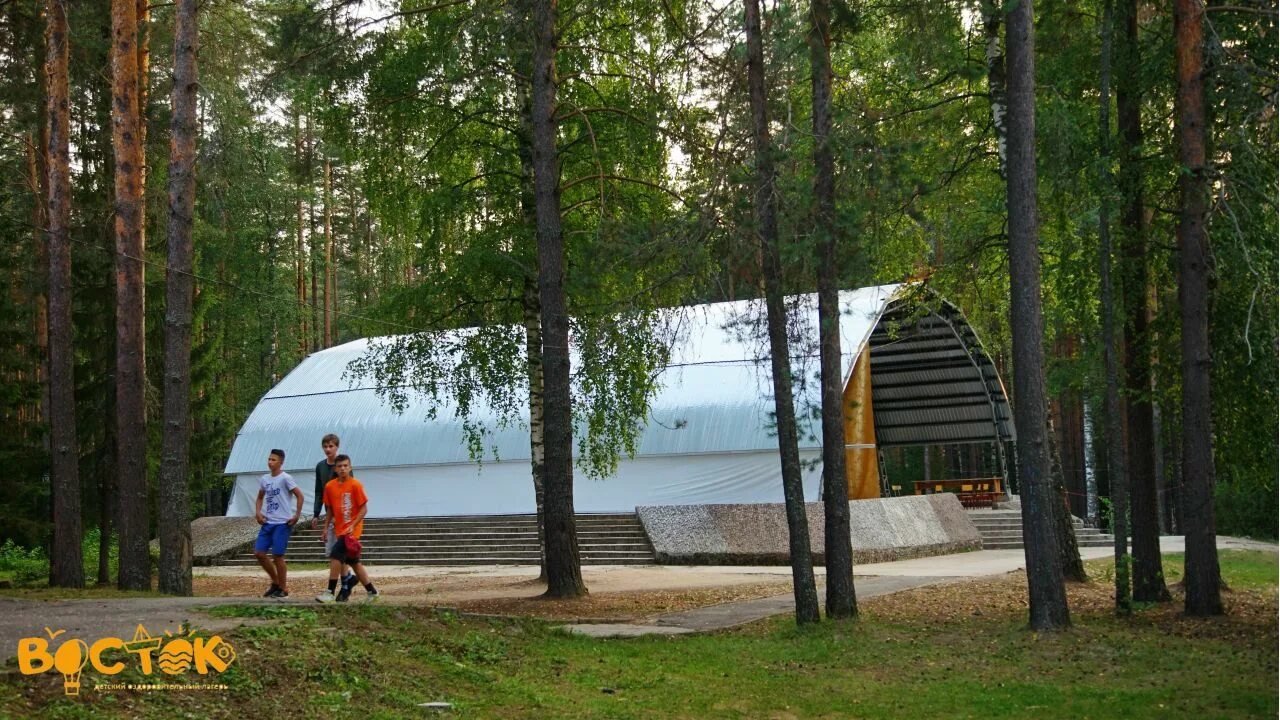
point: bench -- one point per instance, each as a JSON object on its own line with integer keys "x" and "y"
{"x": 977, "y": 499}
{"x": 971, "y": 492}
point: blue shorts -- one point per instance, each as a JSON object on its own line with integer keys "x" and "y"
{"x": 273, "y": 537}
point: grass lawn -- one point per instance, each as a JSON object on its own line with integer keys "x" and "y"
{"x": 947, "y": 651}
{"x": 90, "y": 592}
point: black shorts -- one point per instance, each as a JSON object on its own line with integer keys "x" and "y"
{"x": 339, "y": 552}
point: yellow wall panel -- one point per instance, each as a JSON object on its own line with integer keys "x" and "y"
{"x": 862, "y": 467}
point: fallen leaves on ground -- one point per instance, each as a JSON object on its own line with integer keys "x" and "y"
{"x": 1248, "y": 611}
{"x": 622, "y": 605}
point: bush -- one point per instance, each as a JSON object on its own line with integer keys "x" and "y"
{"x": 23, "y": 566}
{"x": 1246, "y": 509}
{"x": 28, "y": 567}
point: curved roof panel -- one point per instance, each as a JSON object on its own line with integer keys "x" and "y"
{"x": 714, "y": 396}
{"x": 932, "y": 383}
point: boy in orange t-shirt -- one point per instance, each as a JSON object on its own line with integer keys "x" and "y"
{"x": 347, "y": 504}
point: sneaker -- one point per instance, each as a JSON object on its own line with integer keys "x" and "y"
{"x": 281, "y": 594}
{"x": 372, "y": 596}
{"x": 344, "y": 594}
{"x": 271, "y": 591}
{"x": 325, "y": 597}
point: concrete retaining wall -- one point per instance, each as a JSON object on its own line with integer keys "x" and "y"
{"x": 880, "y": 530}
{"x": 217, "y": 536}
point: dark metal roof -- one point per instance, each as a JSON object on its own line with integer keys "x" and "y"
{"x": 931, "y": 380}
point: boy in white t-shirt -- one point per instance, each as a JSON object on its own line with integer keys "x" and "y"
{"x": 273, "y": 513}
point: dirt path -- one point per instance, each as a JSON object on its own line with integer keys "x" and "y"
{"x": 628, "y": 594}
{"x": 623, "y": 592}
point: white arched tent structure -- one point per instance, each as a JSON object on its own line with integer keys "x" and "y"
{"x": 708, "y": 437}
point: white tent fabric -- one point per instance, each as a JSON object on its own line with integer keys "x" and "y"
{"x": 708, "y": 438}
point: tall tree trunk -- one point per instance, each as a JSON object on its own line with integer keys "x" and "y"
{"x": 537, "y": 433}
{"x": 108, "y": 467}
{"x": 1090, "y": 468}
{"x": 996, "y": 80}
{"x": 313, "y": 338}
{"x": 300, "y": 271}
{"x": 107, "y": 498}
{"x": 144, "y": 89}
{"x": 1114, "y": 444}
{"x": 174, "y": 502}
{"x": 1203, "y": 577}
{"x": 1044, "y": 565}
{"x": 766, "y": 216}
{"x": 38, "y": 171}
{"x": 1068, "y": 549}
{"x": 67, "y": 561}
{"x": 328, "y": 254}
{"x": 522, "y": 60}
{"x": 353, "y": 250}
{"x": 841, "y": 598}
{"x": 564, "y": 566}
{"x": 131, "y": 417}
{"x": 998, "y": 98}
{"x": 1148, "y": 581}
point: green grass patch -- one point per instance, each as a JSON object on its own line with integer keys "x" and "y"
{"x": 381, "y": 661}
{"x": 1241, "y": 569}
{"x": 92, "y": 592}
{"x": 263, "y": 611}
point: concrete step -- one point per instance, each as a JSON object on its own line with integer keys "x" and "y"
{"x": 465, "y": 537}
{"x": 999, "y": 522}
{"x": 494, "y": 560}
{"x": 613, "y": 538}
{"x": 371, "y": 526}
{"x": 520, "y": 555}
{"x": 427, "y": 545}
{"x": 384, "y": 555}
{"x": 1002, "y": 530}
{"x": 504, "y": 520}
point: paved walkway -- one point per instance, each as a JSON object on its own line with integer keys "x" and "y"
{"x": 727, "y": 615}
{"x": 884, "y": 579}
{"x": 119, "y": 618}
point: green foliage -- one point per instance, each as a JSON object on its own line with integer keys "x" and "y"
{"x": 420, "y": 108}
{"x": 263, "y": 611}
{"x": 29, "y": 566}
{"x": 24, "y": 566}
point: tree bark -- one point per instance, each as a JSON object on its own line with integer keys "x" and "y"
{"x": 564, "y": 566}
{"x": 1203, "y": 578}
{"x": 313, "y": 339}
{"x": 996, "y": 80}
{"x": 174, "y": 502}
{"x": 537, "y": 440}
{"x": 106, "y": 500}
{"x": 1114, "y": 449}
{"x": 1047, "y": 592}
{"x": 300, "y": 272}
{"x": 1068, "y": 549}
{"x": 521, "y": 59}
{"x": 328, "y": 255}
{"x": 131, "y": 417}
{"x": 766, "y": 216}
{"x": 841, "y": 597}
{"x": 144, "y": 88}
{"x": 67, "y": 560}
{"x": 1148, "y": 581}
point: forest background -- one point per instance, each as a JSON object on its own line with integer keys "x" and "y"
{"x": 359, "y": 173}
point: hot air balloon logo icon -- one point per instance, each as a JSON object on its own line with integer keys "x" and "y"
{"x": 70, "y": 660}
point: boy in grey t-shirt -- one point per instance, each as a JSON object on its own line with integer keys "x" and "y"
{"x": 277, "y": 520}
